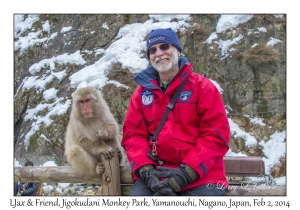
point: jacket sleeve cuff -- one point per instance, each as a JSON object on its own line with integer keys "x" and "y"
{"x": 135, "y": 167}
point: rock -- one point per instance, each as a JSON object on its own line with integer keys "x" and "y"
{"x": 279, "y": 169}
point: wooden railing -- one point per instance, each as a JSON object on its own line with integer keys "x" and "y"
{"x": 117, "y": 180}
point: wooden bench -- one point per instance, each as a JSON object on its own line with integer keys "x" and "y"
{"x": 235, "y": 166}
{"x": 246, "y": 166}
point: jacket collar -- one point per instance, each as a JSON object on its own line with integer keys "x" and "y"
{"x": 146, "y": 76}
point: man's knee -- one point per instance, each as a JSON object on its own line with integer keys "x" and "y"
{"x": 140, "y": 189}
{"x": 204, "y": 190}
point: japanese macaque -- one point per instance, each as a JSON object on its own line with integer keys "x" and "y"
{"x": 91, "y": 132}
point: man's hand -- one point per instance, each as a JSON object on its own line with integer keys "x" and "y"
{"x": 163, "y": 188}
{"x": 177, "y": 178}
{"x": 149, "y": 175}
{"x": 21, "y": 191}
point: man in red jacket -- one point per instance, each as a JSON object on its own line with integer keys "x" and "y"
{"x": 186, "y": 157}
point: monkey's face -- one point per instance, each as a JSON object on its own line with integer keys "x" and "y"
{"x": 85, "y": 106}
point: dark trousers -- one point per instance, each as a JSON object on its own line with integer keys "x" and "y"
{"x": 16, "y": 188}
{"x": 140, "y": 189}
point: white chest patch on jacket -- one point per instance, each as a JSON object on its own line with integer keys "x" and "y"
{"x": 185, "y": 95}
{"x": 147, "y": 97}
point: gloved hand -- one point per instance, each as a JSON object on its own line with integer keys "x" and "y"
{"x": 177, "y": 178}
{"x": 163, "y": 189}
{"x": 149, "y": 175}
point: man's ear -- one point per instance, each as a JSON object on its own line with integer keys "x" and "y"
{"x": 179, "y": 53}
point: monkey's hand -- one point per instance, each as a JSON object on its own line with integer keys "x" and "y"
{"x": 99, "y": 169}
{"x": 107, "y": 151}
{"x": 105, "y": 133}
{"x": 119, "y": 153}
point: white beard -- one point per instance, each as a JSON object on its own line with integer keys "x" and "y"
{"x": 166, "y": 65}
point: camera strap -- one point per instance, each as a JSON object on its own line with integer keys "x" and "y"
{"x": 170, "y": 106}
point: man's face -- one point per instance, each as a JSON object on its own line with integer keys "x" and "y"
{"x": 164, "y": 61}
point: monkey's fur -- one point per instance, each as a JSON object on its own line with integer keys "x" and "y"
{"x": 88, "y": 137}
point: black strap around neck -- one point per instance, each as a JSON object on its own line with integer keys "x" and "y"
{"x": 169, "y": 108}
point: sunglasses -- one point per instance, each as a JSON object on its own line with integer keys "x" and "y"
{"x": 162, "y": 47}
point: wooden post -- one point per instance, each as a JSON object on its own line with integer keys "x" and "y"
{"x": 111, "y": 184}
{"x": 39, "y": 191}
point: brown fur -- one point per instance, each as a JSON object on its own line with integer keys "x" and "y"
{"x": 89, "y": 137}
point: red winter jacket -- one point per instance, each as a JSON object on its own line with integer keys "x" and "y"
{"x": 196, "y": 131}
